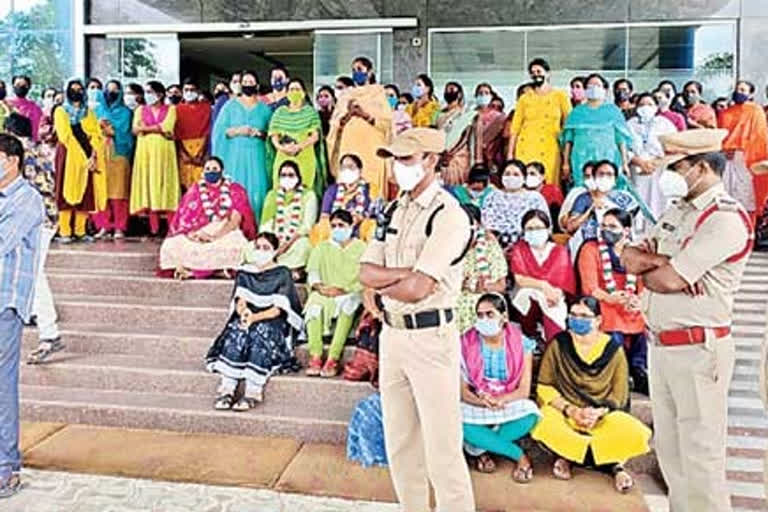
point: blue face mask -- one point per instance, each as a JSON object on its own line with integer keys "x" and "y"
{"x": 392, "y": 100}
{"x": 278, "y": 85}
{"x": 488, "y": 327}
{"x": 93, "y": 94}
{"x": 417, "y": 91}
{"x": 740, "y": 97}
{"x": 580, "y": 326}
{"x": 483, "y": 100}
{"x": 360, "y": 77}
{"x": 341, "y": 235}
{"x": 212, "y": 177}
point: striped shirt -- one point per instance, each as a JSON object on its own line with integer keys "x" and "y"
{"x": 21, "y": 219}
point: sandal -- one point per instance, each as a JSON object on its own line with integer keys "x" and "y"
{"x": 45, "y": 349}
{"x": 246, "y": 404}
{"x": 622, "y": 480}
{"x": 523, "y": 473}
{"x": 10, "y": 486}
{"x": 315, "y": 367}
{"x": 330, "y": 369}
{"x": 561, "y": 469}
{"x": 181, "y": 274}
{"x": 485, "y": 464}
{"x": 224, "y": 402}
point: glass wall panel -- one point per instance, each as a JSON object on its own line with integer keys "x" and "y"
{"x": 135, "y": 59}
{"x": 334, "y": 52}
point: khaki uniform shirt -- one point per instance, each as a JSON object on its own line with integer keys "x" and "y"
{"x": 703, "y": 259}
{"x": 407, "y": 246}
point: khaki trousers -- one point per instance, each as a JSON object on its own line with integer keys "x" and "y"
{"x": 419, "y": 380}
{"x": 689, "y": 397}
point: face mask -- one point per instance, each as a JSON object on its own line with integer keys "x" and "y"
{"x": 392, "y": 100}
{"x": 130, "y": 101}
{"x": 190, "y": 96}
{"x": 278, "y": 85}
{"x": 112, "y": 96}
{"x": 151, "y": 98}
{"x": 400, "y": 107}
{"x": 605, "y": 183}
{"x": 260, "y": 257}
{"x": 212, "y": 176}
{"x": 288, "y": 183}
{"x": 235, "y": 88}
{"x": 538, "y": 80}
{"x": 75, "y": 96}
{"x": 578, "y": 94}
{"x": 580, "y": 326}
{"x": 296, "y": 97}
{"x": 93, "y": 95}
{"x": 408, "y": 176}
{"x": 536, "y": 237}
{"x": 740, "y": 97}
{"x": 611, "y": 237}
{"x": 2, "y": 94}
{"x": 512, "y": 182}
{"x": 622, "y": 96}
{"x": 483, "y": 100}
{"x": 450, "y": 96}
{"x": 595, "y": 92}
{"x": 348, "y": 176}
{"x": 220, "y": 94}
{"x": 21, "y": 91}
{"x": 488, "y": 327}
{"x": 474, "y": 194}
{"x": 533, "y": 181}
{"x": 360, "y": 77}
{"x": 673, "y": 184}
{"x": 691, "y": 98}
{"x": 647, "y": 112}
{"x": 341, "y": 235}
{"x": 664, "y": 101}
{"x": 249, "y": 90}
{"x": 417, "y": 91}
{"x": 590, "y": 184}
{"x": 174, "y": 99}
{"x": 323, "y": 101}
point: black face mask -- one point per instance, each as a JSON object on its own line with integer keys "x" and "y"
{"x": 75, "y": 96}
{"x": 250, "y": 90}
{"x": 175, "y": 100}
{"x": 21, "y": 91}
{"x": 112, "y": 96}
{"x": 538, "y": 80}
{"x": 2, "y": 93}
{"x": 622, "y": 96}
{"x": 451, "y": 96}
{"x": 220, "y": 94}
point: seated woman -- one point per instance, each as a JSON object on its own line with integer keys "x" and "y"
{"x": 485, "y": 270}
{"x": 603, "y": 277}
{"x": 477, "y": 188}
{"x": 351, "y": 193}
{"x": 583, "y": 392}
{"x": 259, "y": 337}
{"x": 504, "y": 209}
{"x": 496, "y": 382}
{"x": 211, "y": 227}
{"x": 364, "y": 365}
{"x": 290, "y": 211}
{"x": 570, "y": 199}
{"x": 333, "y": 275}
{"x": 544, "y": 279}
{"x": 553, "y": 195}
{"x": 589, "y": 207}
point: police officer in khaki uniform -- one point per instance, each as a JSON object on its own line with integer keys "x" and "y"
{"x": 414, "y": 266}
{"x": 691, "y": 265}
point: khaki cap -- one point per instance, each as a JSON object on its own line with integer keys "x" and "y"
{"x": 760, "y": 168}
{"x": 691, "y": 142}
{"x": 415, "y": 140}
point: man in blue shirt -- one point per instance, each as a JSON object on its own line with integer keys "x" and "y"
{"x": 21, "y": 219}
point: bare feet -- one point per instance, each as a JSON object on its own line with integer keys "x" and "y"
{"x": 523, "y": 473}
{"x": 562, "y": 469}
{"x": 485, "y": 464}
{"x": 622, "y": 480}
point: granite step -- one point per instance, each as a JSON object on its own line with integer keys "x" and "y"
{"x": 115, "y": 257}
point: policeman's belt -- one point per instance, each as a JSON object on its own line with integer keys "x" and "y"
{"x": 690, "y": 336}
{"x": 423, "y": 320}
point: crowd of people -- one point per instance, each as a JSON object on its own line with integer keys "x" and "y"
{"x": 281, "y": 190}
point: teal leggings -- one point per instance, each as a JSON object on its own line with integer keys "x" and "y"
{"x": 501, "y": 441}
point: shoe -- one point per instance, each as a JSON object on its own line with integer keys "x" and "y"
{"x": 330, "y": 369}
{"x": 639, "y": 380}
{"x": 44, "y": 350}
{"x": 65, "y": 240}
{"x": 102, "y": 233}
{"x": 119, "y": 235}
{"x": 11, "y": 486}
{"x": 32, "y": 321}
{"x": 86, "y": 239}
{"x": 315, "y": 367}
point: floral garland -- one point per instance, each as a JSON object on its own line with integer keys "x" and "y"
{"x": 610, "y": 283}
{"x": 481, "y": 255}
{"x": 340, "y": 201}
{"x": 288, "y": 216}
{"x": 224, "y": 201}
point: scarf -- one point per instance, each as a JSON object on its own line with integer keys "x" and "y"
{"x": 224, "y": 200}
{"x": 471, "y": 352}
{"x": 345, "y": 194}
{"x": 482, "y": 264}
{"x": 288, "y": 216}
{"x": 150, "y": 119}
{"x": 610, "y": 263}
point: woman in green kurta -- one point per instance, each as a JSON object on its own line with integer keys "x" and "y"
{"x": 295, "y": 132}
{"x": 333, "y": 274}
{"x": 289, "y": 212}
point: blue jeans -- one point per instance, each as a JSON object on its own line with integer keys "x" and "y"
{"x": 10, "y": 350}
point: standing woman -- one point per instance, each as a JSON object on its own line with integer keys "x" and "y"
{"x": 325, "y": 99}
{"x": 81, "y": 174}
{"x": 699, "y": 114}
{"x": 425, "y": 106}
{"x": 5, "y": 107}
{"x": 539, "y": 118}
{"x": 295, "y": 132}
{"x": 665, "y": 102}
{"x": 193, "y": 131}
{"x": 155, "y": 185}
{"x": 578, "y": 91}
{"x": 594, "y": 131}
{"x": 240, "y": 140}
{"x": 457, "y": 121}
{"x": 489, "y": 127}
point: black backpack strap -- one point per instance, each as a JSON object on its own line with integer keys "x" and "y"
{"x": 383, "y": 220}
{"x": 431, "y": 220}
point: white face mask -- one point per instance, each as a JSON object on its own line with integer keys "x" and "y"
{"x": 348, "y": 175}
{"x": 47, "y": 103}
{"x": 590, "y": 184}
{"x": 408, "y": 176}
{"x": 151, "y": 98}
{"x": 235, "y": 88}
{"x": 130, "y": 101}
{"x": 673, "y": 184}
{"x": 190, "y": 96}
{"x": 533, "y": 181}
{"x": 595, "y": 92}
{"x": 647, "y": 112}
{"x": 261, "y": 258}
{"x": 512, "y": 182}
{"x": 288, "y": 183}
{"x": 605, "y": 183}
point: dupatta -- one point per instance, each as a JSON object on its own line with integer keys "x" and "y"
{"x": 191, "y": 216}
{"x": 472, "y": 354}
{"x": 557, "y": 269}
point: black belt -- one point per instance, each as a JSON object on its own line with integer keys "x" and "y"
{"x": 423, "y": 320}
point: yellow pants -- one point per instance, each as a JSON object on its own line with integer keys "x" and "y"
{"x": 615, "y": 439}
{"x": 65, "y": 223}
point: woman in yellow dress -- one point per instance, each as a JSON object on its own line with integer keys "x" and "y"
{"x": 155, "y": 185}
{"x": 538, "y": 120}
{"x": 583, "y": 392}
{"x": 425, "y": 107}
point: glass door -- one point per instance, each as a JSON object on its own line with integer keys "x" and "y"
{"x": 135, "y": 58}
{"x": 335, "y": 49}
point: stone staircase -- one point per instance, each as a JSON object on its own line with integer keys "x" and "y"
{"x": 135, "y": 348}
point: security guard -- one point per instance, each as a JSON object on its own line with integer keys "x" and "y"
{"x": 414, "y": 265}
{"x": 691, "y": 265}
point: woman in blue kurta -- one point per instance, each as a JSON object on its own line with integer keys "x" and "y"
{"x": 593, "y": 132}
{"x": 239, "y": 139}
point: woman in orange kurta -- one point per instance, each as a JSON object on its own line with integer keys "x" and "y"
{"x": 747, "y": 132}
